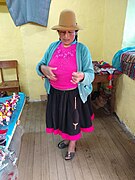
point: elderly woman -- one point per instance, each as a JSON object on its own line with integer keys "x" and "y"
{"x": 68, "y": 72}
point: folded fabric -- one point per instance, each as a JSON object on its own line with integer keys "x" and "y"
{"x": 128, "y": 64}
{"x": 25, "y": 11}
{"x": 116, "y": 61}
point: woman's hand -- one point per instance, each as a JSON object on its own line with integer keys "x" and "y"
{"x": 48, "y": 72}
{"x": 77, "y": 77}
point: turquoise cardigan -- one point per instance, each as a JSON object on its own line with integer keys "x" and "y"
{"x": 84, "y": 64}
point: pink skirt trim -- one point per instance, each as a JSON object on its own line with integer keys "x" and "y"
{"x": 90, "y": 129}
{"x": 68, "y": 137}
{"x": 92, "y": 117}
{"x": 64, "y": 135}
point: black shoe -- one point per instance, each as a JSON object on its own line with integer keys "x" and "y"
{"x": 62, "y": 145}
{"x": 69, "y": 155}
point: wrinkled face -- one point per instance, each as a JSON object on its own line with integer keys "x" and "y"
{"x": 67, "y": 37}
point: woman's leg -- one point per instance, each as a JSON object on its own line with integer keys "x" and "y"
{"x": 71, "y": 150}
{"x": 71, "y": 147}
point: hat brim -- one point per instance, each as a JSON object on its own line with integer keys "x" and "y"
{"x": 72, "y": 28}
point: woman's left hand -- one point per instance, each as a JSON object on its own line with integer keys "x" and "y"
{"x": 77, "y": 77}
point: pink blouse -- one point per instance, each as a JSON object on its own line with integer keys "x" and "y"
{"x": 64, "y": 58}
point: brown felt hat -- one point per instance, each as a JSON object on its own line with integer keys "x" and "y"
{"x": 67, "y": 21}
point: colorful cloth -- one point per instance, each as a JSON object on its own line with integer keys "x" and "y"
{"x": 128, "y": 64}
{"x": 116, "y": 61}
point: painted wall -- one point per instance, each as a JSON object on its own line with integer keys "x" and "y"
{"x": 11, "y": 45}
{"x": 114, "y": 19}
{"x": 125, "y": 102}
{"x": 102, "y": 21}
{"x": 115, "y": 13}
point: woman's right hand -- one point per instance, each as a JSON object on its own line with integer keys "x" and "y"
{"x": 48, "y": 72}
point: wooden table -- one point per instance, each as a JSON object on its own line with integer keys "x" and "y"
{"x": 103, "y": 78}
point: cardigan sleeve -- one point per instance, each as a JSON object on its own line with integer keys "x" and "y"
{"x": 47, "y": 56}
{"x": 85, "y": 65}
{"x": 43, "y": 61}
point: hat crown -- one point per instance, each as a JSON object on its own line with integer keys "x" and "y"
{"x": 67, "y": 19}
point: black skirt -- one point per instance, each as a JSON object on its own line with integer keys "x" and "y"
{"x": 67, "y": 115}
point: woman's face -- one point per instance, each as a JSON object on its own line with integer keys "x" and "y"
{"x": 67, "y": 37}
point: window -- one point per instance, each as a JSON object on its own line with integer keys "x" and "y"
{"x": 129, "y": 29}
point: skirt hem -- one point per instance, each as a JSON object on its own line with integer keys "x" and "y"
{"x": 67, "y": 136}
